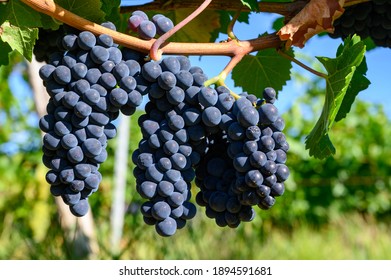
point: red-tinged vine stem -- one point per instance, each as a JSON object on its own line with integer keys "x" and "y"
{"x": 155, "y": 54}
{"x": 230, "y": 48}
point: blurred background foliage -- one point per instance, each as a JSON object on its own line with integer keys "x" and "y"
{"x": 338, "y": 208}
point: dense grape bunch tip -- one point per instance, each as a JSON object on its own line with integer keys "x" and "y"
{"x": 89, "y": 82}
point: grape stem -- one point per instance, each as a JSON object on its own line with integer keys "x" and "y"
{"x": 219, "y": 80}
{"x": 155, "y": 53}
{"x": 230, "y": 48}
{"x": 313, "y": 71}
{"x": 230, "y": 29}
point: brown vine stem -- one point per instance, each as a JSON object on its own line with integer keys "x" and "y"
{"x": 309, "y": 69}
{"x": 155, "y": 54}
{"x": 282, "y": 8}
{"x": 231, "y": 48}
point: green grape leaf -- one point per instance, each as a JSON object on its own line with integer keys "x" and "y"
{"x": 111, "y": 9}
{"x": 340, "y": 75}
{"x": 359, "y": 83}
{"x": 88, "y": 9}
{"x": 268, "y": 69}
{"x": 21, "y": 39}
{"x": 18, "y": 28}
{"x": 251, "y": 4}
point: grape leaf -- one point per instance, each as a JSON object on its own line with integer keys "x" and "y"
{"x": 19, "y": 25}
{"x": 21, "y": 39}
{"x": 359, "y": 83}
{"x": 88, "y": 9}
{"x": 251, "y": 4}
{"x": 111, "y": 9}
{"x": 268, "y": 68}
{"x": 340, "y": 74}
{"x": 316, "y": 17}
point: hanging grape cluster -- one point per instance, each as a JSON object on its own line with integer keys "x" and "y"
{"x": 369, "y": 19}
{"x": 232, "y": 146}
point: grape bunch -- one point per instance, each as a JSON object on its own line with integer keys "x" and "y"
{"x": 215, "y": 176}
{"x": 232, "y": 146}
{"x": 236, "y": 152}
{"x": 370, "y": 19}
{"x": 174, "y": 131}
{"x": 48, "y": 42}
{"x": 146, "y": 28}
{"x": 247, "y": 165}
{"x": 89, "y": 84}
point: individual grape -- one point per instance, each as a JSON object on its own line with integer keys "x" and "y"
{"x": 269, "y": 94}
{"x": 69, "y": 42}
{"x": 165, "y": 188}
{"x": 80, "y": 209}
{"x": 75, "y": 155}
{"x": 46, "y": 71}
{"x": 108, "y": 81}
{"x": 163, "y": 25}
{"x": 166, "y": 227}
{"x": 92, "y": 147}
{"x": 175, "y": 95}
{"x": 93, "y": 75}
{"x": 91, "y": 97}
{"x": 207, "y": 97}
{"x": 248, "y": 116}
{"x": 134, "y": 22}
{"x": 146, "y": 30}
{"x": 161, "y": 210}
{"x": 211, "y": 116}
{"x": 118, "y": 97}
{"x": 86, "y": 40}
{"x": 62, "y": 75}
{"x": 170, "y": 64}
{"x": 184, "y": 79}
{"x": 69, "y": 141}
{"x": 151, "y": 71}
{"x": 167, "y": 80}
{"x": 105, "y": 40}
{"x": 82, "y": 109}
{"x": 128, "y": 83}
{"x": 142, "y": 14}
{"x": 115, "y": 55}
{"x": 79, "y": 71}
{"x": 99, "y": 54}
{"x": 147, "y": 189}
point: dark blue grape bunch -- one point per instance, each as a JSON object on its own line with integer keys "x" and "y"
{"x": 146, "y": 28}
{"x": 258, "y": 149}
{"x": 175, "y": 129}
{"x": 253, "y": 148}
{"x": 370, "y": 19}
{"x": 89, "y": 84}
{"x": 216, "y": 177}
